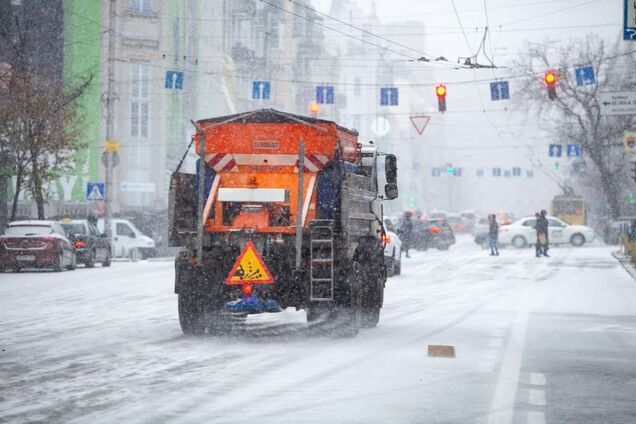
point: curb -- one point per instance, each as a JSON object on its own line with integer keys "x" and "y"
{"x": 625, "y": 263}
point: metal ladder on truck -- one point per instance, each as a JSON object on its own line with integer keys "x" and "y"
{"x": 321, "y": 260}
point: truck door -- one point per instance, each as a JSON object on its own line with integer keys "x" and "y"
{"x": 124, "y": 239}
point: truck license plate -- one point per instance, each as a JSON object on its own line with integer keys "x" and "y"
{"x": 25, "y": 258}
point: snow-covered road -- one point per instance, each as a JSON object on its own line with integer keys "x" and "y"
{"x": 537, "y": 340}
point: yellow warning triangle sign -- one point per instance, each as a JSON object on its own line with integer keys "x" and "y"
{"x": 249, "y": 268}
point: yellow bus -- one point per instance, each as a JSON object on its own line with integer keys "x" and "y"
{"x": 571, "y": 209}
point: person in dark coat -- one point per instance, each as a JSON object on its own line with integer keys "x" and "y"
{"x": 542, "y": 234}
{"x": 406, "y": 232}
{"x": 493, "y": 235}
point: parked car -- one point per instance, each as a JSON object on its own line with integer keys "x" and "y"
{"x": 392, "y": 249}
{"x": 127, "y": 240}
{"x": 434, "y": 234}
{"x": 36, "y": 244}
{"x": 522, "y": 233}
{"x": 90, "y": 244}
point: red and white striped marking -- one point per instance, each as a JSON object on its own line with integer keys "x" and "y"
{"x": 314, "y": 163}
{"x": 222, "y": 162}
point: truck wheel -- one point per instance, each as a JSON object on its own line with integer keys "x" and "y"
{"x": 134, "y": 254}
{"x": 73, "y": 265}
{"x": 191, "y": 315}
{"x": 370, "y": 317}
{"x": 107, "y": 260}
{"x": 397, "y": 267}
{"x": 90, "y": 260}
{"x": 58, "y": 266}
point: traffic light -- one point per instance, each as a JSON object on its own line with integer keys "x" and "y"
{"x": 634, "y": 171}
{"x": 550, "y": 79}
{"x": 440, "y": 90}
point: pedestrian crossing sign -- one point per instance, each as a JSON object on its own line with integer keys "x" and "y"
{"x": 249, "y": 268}
{"x": 94, "y": 191}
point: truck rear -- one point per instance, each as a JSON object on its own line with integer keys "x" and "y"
{"x": 284, "y": 212}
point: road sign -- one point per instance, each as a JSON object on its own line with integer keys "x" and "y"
{"x": 380, "y": 126}
{"x": 111, "y": 146}
{"x": 629, "y": 138}
{"x": 573, "y": 150}
{"x": 138, "y": 187}
{"x": 555, "y": 150}
{"x": 585, "y": 75}
{"x": 617, "y": 102}
{"x": 499, "y": 90}
{"x": 261, "y": 90}
{"x": 174, "y": 80}
{"x": 629, "y": 20}
{"x": 324, "y": 94}
{"x": 389, "y": 96}
{"x": 420, "y": 122}
{"x": 95, "y": 191}
{"x": 249, "y": 268}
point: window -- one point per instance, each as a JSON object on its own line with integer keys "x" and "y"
{"x": 142, "y": 6}
{"x": 529, "y": 173}
{"x": 496, "y": 172}
{"x": 554, "y": 223}
{"x": 124, "y": 230}
{"x": 530, "y": 223}
{"x": 516, "y": 172}
{"x": 480, "y": 172}
{"x": 139, "y": 104}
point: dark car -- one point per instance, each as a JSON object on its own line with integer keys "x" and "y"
{"x": 91, "y": 246}
{"x": 35, "y": 244}
{"x": 434, "y": 234}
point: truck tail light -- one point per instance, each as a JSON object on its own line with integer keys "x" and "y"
{"x": 434, "y": 230}
{"x": 79, "y": 244}
{"x": 247, "y": 289}
{"x": 386, "y": 239}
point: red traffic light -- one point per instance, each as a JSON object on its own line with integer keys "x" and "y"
{"x": 550, "y": 78}
{"x": 440, "y": 90}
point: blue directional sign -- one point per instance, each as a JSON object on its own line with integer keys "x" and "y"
{"x": 174, "y": 80}
{"x": 629, "y": 20}
{"x": 324, "y": 94}
{"x": 573, "y": 150}
{"x": 389, "y": 96}
{"x": 555, "y": 150}
{"x": 95, "y": 191}
{"x": 261, "y": 90}
{"x": 499, "y": 90}
{"x": 585, "y": 75}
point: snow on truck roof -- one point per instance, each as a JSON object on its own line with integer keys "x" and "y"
{"x": 271, "y": 116}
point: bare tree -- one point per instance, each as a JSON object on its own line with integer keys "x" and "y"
{"x": 574, "y": 116}
{"x": 39, "y": 129}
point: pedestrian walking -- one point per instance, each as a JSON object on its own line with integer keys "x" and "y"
{"x": 406, "y": 232}
{"x": 542, "y": 234}
{"x": 493, "y": 235}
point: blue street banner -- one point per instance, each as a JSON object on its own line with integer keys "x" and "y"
{"x": 95, "y": 191}
{"x": 573, "y": 150}
{"x": 499, "y": 90}
{"x": 629, "y": 20}
{"x": 174, "y": 80}
{"x": 261, "y": 90}
{"x": 585, "y": 76}
{"x": 555, "y": 150}
{"x": 324, "y": 94}
{"x": 389, "y": 96}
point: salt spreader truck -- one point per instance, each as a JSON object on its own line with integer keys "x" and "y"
{"x": 284, "y": 211}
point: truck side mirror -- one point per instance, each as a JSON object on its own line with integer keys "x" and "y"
{"x": 390, "y": 191}
{"x": 390, "y": 168}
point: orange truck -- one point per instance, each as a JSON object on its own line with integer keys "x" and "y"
{"x": 284, "y": 211}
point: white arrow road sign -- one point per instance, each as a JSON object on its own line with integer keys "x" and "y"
{"x": 618, "y": 102}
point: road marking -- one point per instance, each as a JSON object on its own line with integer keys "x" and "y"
{"x": 536, "y": 397}
{"x": 536, "y": 417}
{"x": 503, "y": 402}
{"x": 537, "y": 379}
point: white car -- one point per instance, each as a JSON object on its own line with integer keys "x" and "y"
{"x": 127, "y": 240}
{"x": 392, "y": 249}
{"x": 522, "y": 233}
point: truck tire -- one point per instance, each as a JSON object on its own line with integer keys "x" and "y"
{"x": 191, "y": 315}
{"x": 107, "y": 260}
{"x": 90, "y": 260}
{"x": 370, "y": 317}
{"x": 58, "y": 265}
